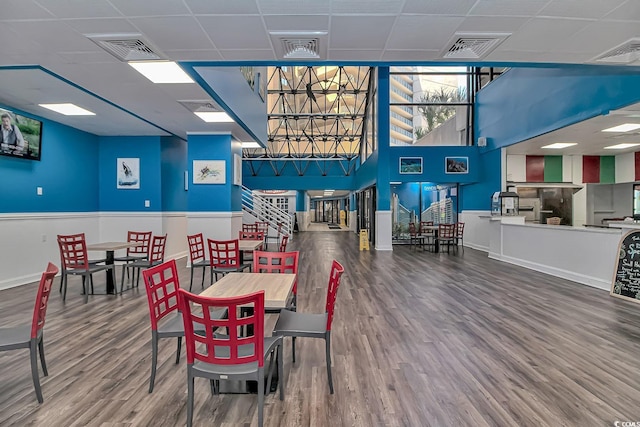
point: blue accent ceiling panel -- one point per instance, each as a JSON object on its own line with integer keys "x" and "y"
{"x": 145, "y": 148}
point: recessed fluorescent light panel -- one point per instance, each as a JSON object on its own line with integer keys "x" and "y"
{"x": 621, "y": 146}
{"x": 560, "y": 145}
{"x": 627, "y": 127}
{"x": 251, "y": 144}
{"x": 162, "y": 71}
{"x": 68, "y": 109}
{"x": 214, "y": 116}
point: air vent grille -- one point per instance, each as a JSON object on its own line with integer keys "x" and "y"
{"x": 301, "y": 48}
{"x": 300, "y": 45}
{"x": 197, "y": 105}
{"x": 625, "y": 53}
{"x": 127, "y": 47}
{"x": 473, "y": 46}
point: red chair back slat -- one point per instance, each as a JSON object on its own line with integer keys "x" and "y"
{"x": 332, "y": 290}
{"x": 412, "y": 229}
{"x": 277, "y": 262}
{"x": 250, "y": 227}
{"x": 263, "y": 226}
{"x": 196, "y": 247}
{"x": 198, "y": 309}
{"x": 446, "y": 231}
{"x": 42, "y": 299}
{"x": 156, "y": 251}
{"x": 139, "y": 237}
{"x": 250, "y": 235}
{"x": 162, "y": 286}
{"x": 73, "y": 251}
{"x": 223, "y": 253}
{"x": 283, "y": 243}
{"x": 459, "y": 229}
{"x": 424, "y": 224}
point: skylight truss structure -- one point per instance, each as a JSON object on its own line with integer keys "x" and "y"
{"x": 316, "y": 115}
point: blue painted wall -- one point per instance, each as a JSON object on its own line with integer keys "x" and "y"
{"x": 212, "y": 197}
{"x": 147, "y": 149}
{"x": 366, "y": 174}
{"x": 67, "y": 173}
{"x": 433, "y": 164}
{"x": 301, "y": 201}
{"x": 173, "y": 165}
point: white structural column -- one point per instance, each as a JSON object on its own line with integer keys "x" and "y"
{"x": 383, "y": 231}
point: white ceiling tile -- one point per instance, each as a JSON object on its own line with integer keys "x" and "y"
{"x": 627, "y": 11}
{"x": 193, "y": 55}
{"x": 297, "y": 22}
{"x": 248, "y": 55}
{"x": 491, "y": 23}
{"x": 590, "y": 39}
{"x": 23, "y": 9}
{"x": 236, "y": 32}
{"x": 366, "y": 32}
{"x": 539, "y": 34}
{"x": 365, "y": 7}
{"x": 294, "y": 7}
{"x": 579, "y": 8}
{"x": 354, "y": 55}
{"x": 439, "y": 7}
{"x": 150, "y": 8}
{"x": 411, "y": 55}
{"x": 190, "y": 35}
{"x": 101, "y": 25}
{"x": 79, "y": 8}
{"x": 65, "y": 39}
{"x": 422, "y": 31}
{"x": 507, "y": 7}
{"x": 222, "y": 7}
{"x": 507, "y": 56}
{"x": 18, "y": 45}
{"x": 80, "y": 58}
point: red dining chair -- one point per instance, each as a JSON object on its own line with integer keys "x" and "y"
{"x": 75, "y": 261}
{"x": 155, "y": 257}
{"x": 135, "y": 253}
{"x": 427, "y": 234}
{"x": 197, "y": 256}
{"x": 224, "y": 257}
{"x": 459, "y": 235}
{"x": 446, "y": 235}
{"x": 32, "y": 336}
{"x": 295, "y": 324}
{"x": 250, "y": 227}
{"x": 283, "y": 243}
{"x": 414, "y": 235}
{"x": 263, "y": 227}
{"x": 228, "y": 357}
{"x": 162, "y": 285}
{"x": 251, "y": 235}
{"x": 278, "y": 262}
{"x": 92, "y": 262}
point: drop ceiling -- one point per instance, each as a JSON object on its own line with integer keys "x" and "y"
{"x": 52, "y": 34}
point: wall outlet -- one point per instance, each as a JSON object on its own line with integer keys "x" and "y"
{"x": 39, "y": 191}
{"x": 147, "y": 203}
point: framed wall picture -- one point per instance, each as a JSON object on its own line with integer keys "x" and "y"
{"x": 209, "y": 172}
{"x": 237, "y": 170}
{"x": 456, "y": 164}
{"x": 410, "y": 164}
{"x": 128, "y": 173}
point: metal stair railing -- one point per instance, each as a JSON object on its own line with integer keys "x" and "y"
{"x": 265, "y": 211}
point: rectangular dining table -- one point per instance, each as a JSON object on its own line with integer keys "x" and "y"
{"x": 277, "y": 289}
{"x": 433, "y": 228}
{"x": 248, "y": 245}
{"x": 110, "y": 248}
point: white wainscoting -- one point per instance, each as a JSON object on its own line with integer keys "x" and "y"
{"x": 353, "y": 221}
{"x": 215, "y": 225}
{"x": 29, "y": 242}
{"x": 383, "y": 231}
{"x": 476, "y": 229}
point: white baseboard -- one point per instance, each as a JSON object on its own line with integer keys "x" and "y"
{"x": 557, "y": 272}
{"x": 477, "y": 247}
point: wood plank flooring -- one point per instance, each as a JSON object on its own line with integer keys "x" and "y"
{"x": 419, "y": 339}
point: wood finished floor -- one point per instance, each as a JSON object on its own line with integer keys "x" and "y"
{"x": 418, "y": 340}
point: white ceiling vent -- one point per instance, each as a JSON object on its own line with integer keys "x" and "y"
{"x": 199, "y": 105}
{"x": 300, "y": 45}
{"x": 472, "y": 45}
{"x": 127, "y": 47}
{"x": 624, "y": 53}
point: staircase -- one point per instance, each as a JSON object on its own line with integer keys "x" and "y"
{"x": 265, "y": 211}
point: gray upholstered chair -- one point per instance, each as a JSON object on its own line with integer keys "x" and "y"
{"x": 295, "y": 324}
{"x": 31, "y": 335}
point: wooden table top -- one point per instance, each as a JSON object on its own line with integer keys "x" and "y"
{"x": 112, "y": 246}
{"x": 276, "y": 287}
{"x": 248, "y": 244}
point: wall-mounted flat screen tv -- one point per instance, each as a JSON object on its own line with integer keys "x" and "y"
{"x": 20, "y": 136}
